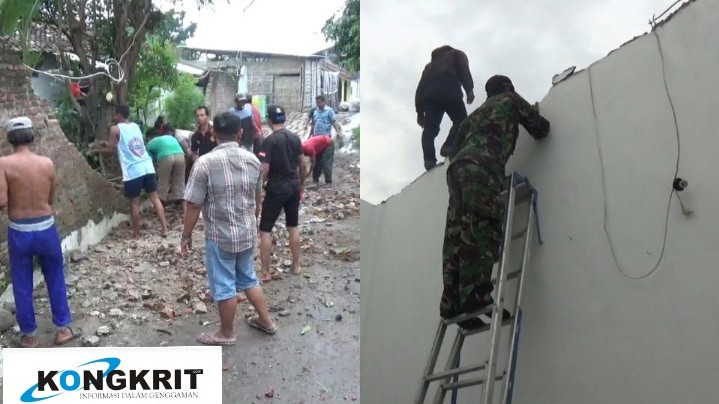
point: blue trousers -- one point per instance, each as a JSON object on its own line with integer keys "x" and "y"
{"x": 27, "y": 239}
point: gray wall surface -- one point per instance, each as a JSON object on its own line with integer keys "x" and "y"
{"x": 590, "y": 334}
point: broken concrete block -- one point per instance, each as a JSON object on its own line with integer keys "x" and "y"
{"x": 91, "y": 341}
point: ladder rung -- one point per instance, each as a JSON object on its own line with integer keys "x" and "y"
{"x": 467, "y": 316}
{"x": 454, "y": 372}
{"x": 468, "y": 383}
{"x": 510, "y": 275}
{"x": 471, "y": 331}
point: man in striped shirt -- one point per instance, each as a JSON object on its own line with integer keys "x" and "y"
{"x": 226, "y": 185}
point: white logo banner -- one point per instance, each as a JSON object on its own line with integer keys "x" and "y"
{"x": 116, "y": 375}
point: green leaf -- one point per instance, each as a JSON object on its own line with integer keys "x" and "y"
{"x": 129, "y": 30}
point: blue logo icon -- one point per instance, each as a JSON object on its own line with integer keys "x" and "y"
{"x": 65, "y": 381}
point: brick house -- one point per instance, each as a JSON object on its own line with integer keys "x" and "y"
{"x": 292, "y": 81}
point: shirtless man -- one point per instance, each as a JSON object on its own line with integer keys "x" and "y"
{"x": 138, "y": 172}
{"x": 27, "y": 188}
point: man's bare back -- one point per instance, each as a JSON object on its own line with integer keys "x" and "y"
{"x": 27, "y": 185}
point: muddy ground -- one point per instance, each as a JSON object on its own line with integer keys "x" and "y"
{"x": 143, "y": 293}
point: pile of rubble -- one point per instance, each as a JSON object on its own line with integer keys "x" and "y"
{"x": 298, "y": 122}
{"x": 122, "y": 282}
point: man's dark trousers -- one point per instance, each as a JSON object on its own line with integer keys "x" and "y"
{"x": 323, "y": 164}
{"x": 434, "y": 110}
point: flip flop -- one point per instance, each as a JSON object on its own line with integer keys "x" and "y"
{"x": 76, "y": 333}
{"x": 255, "y": 323}
{"x": 22, "y": 345}
{"x": 212, "y": 339}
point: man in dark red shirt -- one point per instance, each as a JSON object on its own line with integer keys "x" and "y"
{"x": 256, "y": 116}
{"x": 315, "y": 148}
{"x": 440, "y": 91}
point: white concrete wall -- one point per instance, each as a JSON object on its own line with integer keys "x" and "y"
{"x": 79, "y": 240}
{"x": 590, "y": 334}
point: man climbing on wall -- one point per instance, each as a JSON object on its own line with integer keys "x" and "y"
{"x": 476, "y": 178}
{"x": 27, "y": 189}
{"x": 440, "y": 91}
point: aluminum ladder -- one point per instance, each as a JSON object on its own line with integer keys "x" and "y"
{"x": 519, "y": 192}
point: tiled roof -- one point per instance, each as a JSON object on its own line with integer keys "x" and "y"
{"x": 41, "y": 39}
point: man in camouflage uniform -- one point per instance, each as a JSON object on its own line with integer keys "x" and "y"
{"x": 476, "y": 178}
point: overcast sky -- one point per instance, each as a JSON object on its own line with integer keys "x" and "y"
{"x": 277, "y": 26}
{"x": 527, "y": 40}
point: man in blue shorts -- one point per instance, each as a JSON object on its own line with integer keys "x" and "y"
{"x": 138, "y": 172}
{"x": 225, "y": 186}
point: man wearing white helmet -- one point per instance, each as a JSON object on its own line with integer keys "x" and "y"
{"x": 27, "y": 190}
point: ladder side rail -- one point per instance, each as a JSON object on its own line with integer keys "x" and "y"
{"x": 452, "y": 364}
{"x": 488, "y": 389}
{"x": 516, "y": 324}
{"x": 432, "y": 362}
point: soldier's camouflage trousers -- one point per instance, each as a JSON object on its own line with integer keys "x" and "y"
{"x": 472, "y": 238}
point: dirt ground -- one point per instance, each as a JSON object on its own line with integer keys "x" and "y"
{"x": 144, "y": 293}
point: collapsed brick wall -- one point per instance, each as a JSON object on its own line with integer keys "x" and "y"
{"x": 280, "y": 78}
{"x": 82, "y": 193}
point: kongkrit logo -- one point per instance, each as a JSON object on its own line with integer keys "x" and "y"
{"x": 56, "y": 382}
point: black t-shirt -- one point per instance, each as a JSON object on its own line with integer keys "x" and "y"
{"x": 201, "y": 144}
{"x": 282, "y": 151}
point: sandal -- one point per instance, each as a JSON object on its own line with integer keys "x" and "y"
{"x": 255, "y": 323}
{"x": 213, "y": 339}
{"x": 22, "y": 344}
{"x": 75, "y": 334}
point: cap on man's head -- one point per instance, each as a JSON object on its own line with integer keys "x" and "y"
{"x": 241, "y": 97}
{"x": 276, "y": 114}
{"x": 18, "y": 123}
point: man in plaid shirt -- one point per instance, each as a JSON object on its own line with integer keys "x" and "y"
{"x": 225, "y": 185}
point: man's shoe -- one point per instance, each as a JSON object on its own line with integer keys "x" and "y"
{"x": 428, "y": 165}
{"x": 445, "y": 150}
{"x": 448, "y": 150}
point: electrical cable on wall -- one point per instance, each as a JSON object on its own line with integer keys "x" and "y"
{"x": 676, "y": 171}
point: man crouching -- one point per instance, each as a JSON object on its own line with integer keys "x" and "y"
{"x": 27, "y": 187}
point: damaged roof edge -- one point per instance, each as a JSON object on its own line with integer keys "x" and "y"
{"x": 658, "y": 25}
{"x": 572, "y": 76}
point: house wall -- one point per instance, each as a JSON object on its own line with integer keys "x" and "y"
{"x": 220, "y": 92}
{"x": 83, "y": 197}
{"x": 281, "y": 79}
{"x": 590, "y": 334}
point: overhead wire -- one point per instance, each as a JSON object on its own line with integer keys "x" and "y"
{"x": 601, "y": 161}
{"x": 108, "y": 63}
